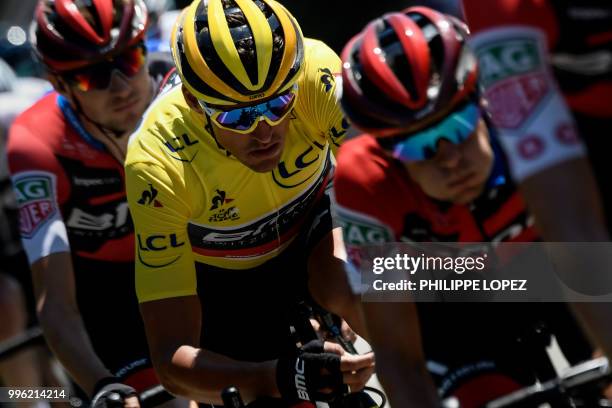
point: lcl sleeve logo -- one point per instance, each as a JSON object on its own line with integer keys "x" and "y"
{"x": 177, "y": 144}
{"x": 158, "y": 242}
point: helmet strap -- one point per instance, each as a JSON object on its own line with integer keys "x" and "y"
{"x": 211, "y": 130}
{"x": 193, "y": 104}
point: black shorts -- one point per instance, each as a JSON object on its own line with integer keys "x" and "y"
{"x": 244, "y": 312}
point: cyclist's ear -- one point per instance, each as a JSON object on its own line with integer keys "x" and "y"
{"x": 62, "y": 87}
{"x": 54, "y": 80}
{"x": 191, "y": 100}
{"x": 58, "y": 84}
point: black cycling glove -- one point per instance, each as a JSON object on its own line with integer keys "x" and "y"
{"x": 112, "y": 395}
{"x": 303, "y": 372}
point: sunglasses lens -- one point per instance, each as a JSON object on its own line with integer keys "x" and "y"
{"x": 239, "y": 119}
{"x": 98, "y": 76}
{"x": 93, "y": 77}
{"x": 278, "y": 107}
{"x": 412, "y": 151}
{"x": 131, "y": 61}
{"x": 455, "y": 128}
{"x": 242, "y": 119}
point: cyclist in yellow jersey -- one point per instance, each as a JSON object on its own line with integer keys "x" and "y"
{"x": 227, "y": 181}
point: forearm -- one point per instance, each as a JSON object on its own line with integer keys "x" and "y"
{"x": 596, "y": 319}
{"x": 66, "y": 336}
{"x": 328, "y": 282}
{"x": 567, "y": 206}
{"x": 406, "y": 385}
{"x": 566, "y": 203}
{"x": 400, "y": 359}
{"x": 201, "y": 375}
{"x": 342, "y": 303}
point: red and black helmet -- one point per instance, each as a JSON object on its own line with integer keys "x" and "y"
{"x": 69, "y": 34}
{"x": 405, "y": 68}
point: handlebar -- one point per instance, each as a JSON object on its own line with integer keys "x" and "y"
{"x": 149, "y": 398}
{"x": 231, "y": 398}
{"x": 154, "y": 396}
{"x": 31, "y": 336}
{"x": 578, "y": 386}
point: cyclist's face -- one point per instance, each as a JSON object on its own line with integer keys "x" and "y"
{"x": 120, "y": 106}
{"x": 458, "y": 172}
{"x": 259, "y": 150}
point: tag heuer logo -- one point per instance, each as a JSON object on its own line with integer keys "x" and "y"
{"x": 359, "y": 231}
{"x": 33, "y": 188}
{"x": 506, "y": 59}
{"x": 35, "y": 204}
{"x": 512, "y": 101}
{"x": 514, "y": 78}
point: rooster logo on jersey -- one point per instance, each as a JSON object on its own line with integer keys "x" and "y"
{"x": 148, "y": 197}
{"x": 219, "y": 200}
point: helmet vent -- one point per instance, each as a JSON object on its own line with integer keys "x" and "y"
{"x": 396, "y": 59}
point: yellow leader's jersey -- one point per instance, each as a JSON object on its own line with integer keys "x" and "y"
{"x": 193, "y": 202}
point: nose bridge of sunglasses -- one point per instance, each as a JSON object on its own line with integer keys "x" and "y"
{"x": 117, "y": 80}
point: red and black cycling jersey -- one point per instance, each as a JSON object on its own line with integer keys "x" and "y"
{"x": 579, "y": 39}
{"x": 575, "y": 52}
{"x": 61, "y": 175}
{"x": 71, "y": 196}
{"x": 475, "y": 351}
{"x": 376, "y": 189}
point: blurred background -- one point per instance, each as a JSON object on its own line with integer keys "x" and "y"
{"x": 331, "y": 21}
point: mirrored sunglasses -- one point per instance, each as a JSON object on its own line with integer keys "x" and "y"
{"x": 99, "y": 76}
{"x": 245, "y": 119}
{"x": 455, "y": 128}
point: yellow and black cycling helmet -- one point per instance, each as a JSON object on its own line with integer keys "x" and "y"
{"x": 237, "y": 51}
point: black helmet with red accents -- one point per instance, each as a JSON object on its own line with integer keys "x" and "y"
{"x": 406, "y": 68}
{"x": 70, "y": 34}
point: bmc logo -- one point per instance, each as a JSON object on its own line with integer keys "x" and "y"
{"x": 158, "y": 242}
{"x": 82, "y": 220}
{"x": 300, "y": 380}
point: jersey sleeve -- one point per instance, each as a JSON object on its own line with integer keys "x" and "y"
{"x": 320, "y": 91}
{"x": 157, "y": 196}
{"x": 361, "y": 211}
{"x": 40, "y": 185}
{"x": 536, "y": 128}
{"x": 360, "y": 214}
{"x": 532, "y": 13}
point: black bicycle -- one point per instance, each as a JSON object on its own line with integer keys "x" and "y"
{"x": 580, "y": 386}
{"x": 302, "y": 332}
